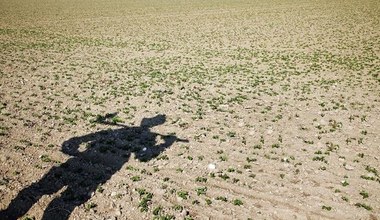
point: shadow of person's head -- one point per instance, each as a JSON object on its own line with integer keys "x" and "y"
{"x": 154, "y": 121}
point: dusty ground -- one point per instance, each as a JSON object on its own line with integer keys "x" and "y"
{"x": 283, "y": 97}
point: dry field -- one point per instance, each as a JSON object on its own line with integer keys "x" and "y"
{"x": 226, "y": 109}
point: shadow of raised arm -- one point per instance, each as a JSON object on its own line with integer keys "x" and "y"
{"x": 169, "y": 140}
{"x": 157, "y": 149}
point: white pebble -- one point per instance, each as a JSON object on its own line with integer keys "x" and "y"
{"x": 211, "y": 166}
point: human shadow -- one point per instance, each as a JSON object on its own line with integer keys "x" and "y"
{"x": 94, "y": 159}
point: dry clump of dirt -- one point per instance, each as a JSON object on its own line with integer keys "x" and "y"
{"x": 242, "y": 110}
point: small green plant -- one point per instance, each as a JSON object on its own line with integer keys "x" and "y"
{"x": 319, "y": 158}
{"x": 179, "y": 170}
{"x": 201, "y": 179}
{"x": 163, "y": 157}
{"x": 221, "y": 198}
{"x": 195, "y": 202}
{"x": 372, "y": 170}
{"x": 364, "y": 194}
{"x": 201, "y": 191}
{"x": 100, "y": 189}
{"x": 345, "y": 183}
{"x": 135, "y": 178}
{"x": 90, "y": 205}
{"x": 237, "y": 202}
{"x": 157, "y": 210}
{"x": 362, "y": 205}
{"x": 223, "y": 158}
{"x": 145, "y": 199}
{"x": 368, "y": 177}
{"x": 257, "y": 146}
{"x": 328, "y": 208}
{"x": 183, "y": 194}
{"x": 251, "y": 159}
{"x": 224, "y": 176}
{"x": 178, "y": 208}
{"x": 164, "y": 217}
{"x": 231, "y": 134}
{"x": 45, "y": 158}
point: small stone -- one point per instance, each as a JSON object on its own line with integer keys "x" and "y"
{"x": 211, "y": 166}
{"x": 117, "y": 212}
{"x": 323, "y": 122}
{"x": 269, "y": 131}
{"x": 223, "y": 107}
{"x": 252, "y": 132}
{"x": 348, "y": 167}
{"x": 3, "y": 158}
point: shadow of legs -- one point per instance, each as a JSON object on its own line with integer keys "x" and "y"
{"x": 27, "y": 197}
{"x": 61, "y": 207}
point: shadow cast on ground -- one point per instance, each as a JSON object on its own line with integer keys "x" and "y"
{"x": 95, "y": 158}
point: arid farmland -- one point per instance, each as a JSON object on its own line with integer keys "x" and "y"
{"x": 189, "y": 109}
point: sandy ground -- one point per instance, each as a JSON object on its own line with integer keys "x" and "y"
{"x": 278, "y": 101}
